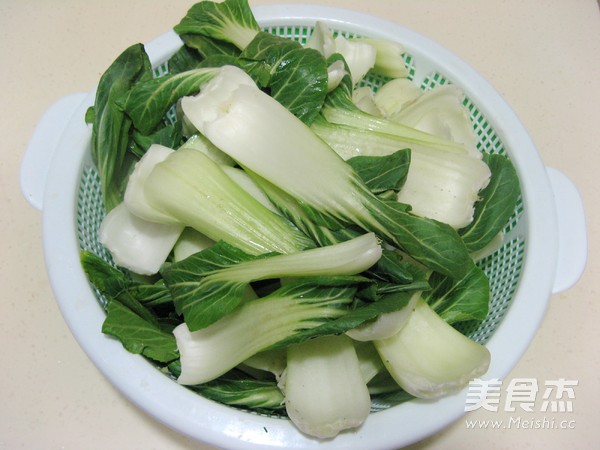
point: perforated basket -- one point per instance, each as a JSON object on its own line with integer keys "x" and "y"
{"x": 521, "y": 272}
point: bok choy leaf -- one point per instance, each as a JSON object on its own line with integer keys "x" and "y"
{"x": 138, "y": 335}
{"x": 230, "y": 21}
{"x": 496, "y": 205}
{"x": 148, "y": 101}
{"x": 236, "y": 390}
{"x": 111, "y": 126}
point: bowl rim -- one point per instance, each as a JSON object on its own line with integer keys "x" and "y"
{"x": 227, "y": 427}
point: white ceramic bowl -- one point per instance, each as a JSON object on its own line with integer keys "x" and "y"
{"x": 51, "y": 175}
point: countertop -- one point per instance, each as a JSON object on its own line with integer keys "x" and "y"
{"x": 542, "y": 56}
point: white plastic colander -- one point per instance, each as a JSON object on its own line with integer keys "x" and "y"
{"x": 544, "y": 251}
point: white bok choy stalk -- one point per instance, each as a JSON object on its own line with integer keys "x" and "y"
{"x": 360, "y": 57}
{"x": 363, "y": 98}
{"x": 388, "y": 57}
{"x": 385, "y": 325}
{"x": 368, "y": 359}
{"x": 324, "y": 389}
{"x": 288, "y": 315}
{"x": 429, "y": 358}
{"x": 440, "y": 112}
{"x": 190, "y": 241}
{"x": 339, "y": 109}
{"x": 322, "y": 40}
{"x": 135, "y": 194}
{"x": 270, "y": 361}
{"x": 200, "y": 143}
{"x": 335, "y": 73}
{"x": 441, "y": 185}
{"x": 394, "y": 95}
{"x": 188, "y": 188}
{"x": 270, "y": 142}
{"x": 137, "y": 244}
{"x": 444, "y": 186}
{"x": 246, "y": 182}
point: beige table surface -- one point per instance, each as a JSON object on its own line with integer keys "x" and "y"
{"x": 542, "y": 56}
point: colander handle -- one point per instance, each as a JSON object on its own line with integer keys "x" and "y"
{"x": 41, "y": 147}
{"x": 572, "y": 231}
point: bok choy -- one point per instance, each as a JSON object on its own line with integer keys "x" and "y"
{"x": 428, "y": 358}
{"x": 266, "y": 139}
{"x": 186, "y": 187}
{"x": 283, "y": 239}
{"x": 281, "y": 318}
{"x": 208, "y": 285}
{"x": 336, "y": 398}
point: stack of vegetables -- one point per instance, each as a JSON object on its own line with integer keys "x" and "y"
{"x": 284, "y": 239}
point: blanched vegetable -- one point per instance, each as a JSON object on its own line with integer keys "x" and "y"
{"x": 440, "y": 112}
{"x": 209, "y": 285}
{"x": 269, "y": 141}
{"x": 190, "y": 241}
{"x": 237, "y": 390}
{"x": 230, "y": 21}
{"x": 328, "y": 232}
{"x": 271, "y": 361}
{"x": 111, "y": 126}
{"x": 136, "y": 199}
{"x": 394, "y": 95}
{"x": 361, "y": 54}
{"x": 444, "y": 186}
{"x": 388, "y": 57}
{"x": 445, "y": 176}
{"x": 386, "y": 325}
{"x": 189, "y": 188}
{"x": 428, "y": 358}
{"x": 135, "y": 243}
{"x": 325, "y": 392}
{"x": 285, "y": 316}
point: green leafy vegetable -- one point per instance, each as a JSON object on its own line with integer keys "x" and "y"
{"x": 111, "y": 126}
{"x": 382, "y": 173}
{"x": 460, "y": 300}
{"x": 296, "y": 76}
{"x": 230, "y": 21}
{"x": 233, "y": 389}
{"x": 496, "y": 206}
{"x": 263, "y": 136}
{"x": 208, "y": 47}
{"x": 148, "y": 101}
{"x": 258, "y": 325}
{"x": 210, "y": 284}
{"x": 139, "y": 335}
{"x": 319, "y": 230}
{"x": 168, "y": 136}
